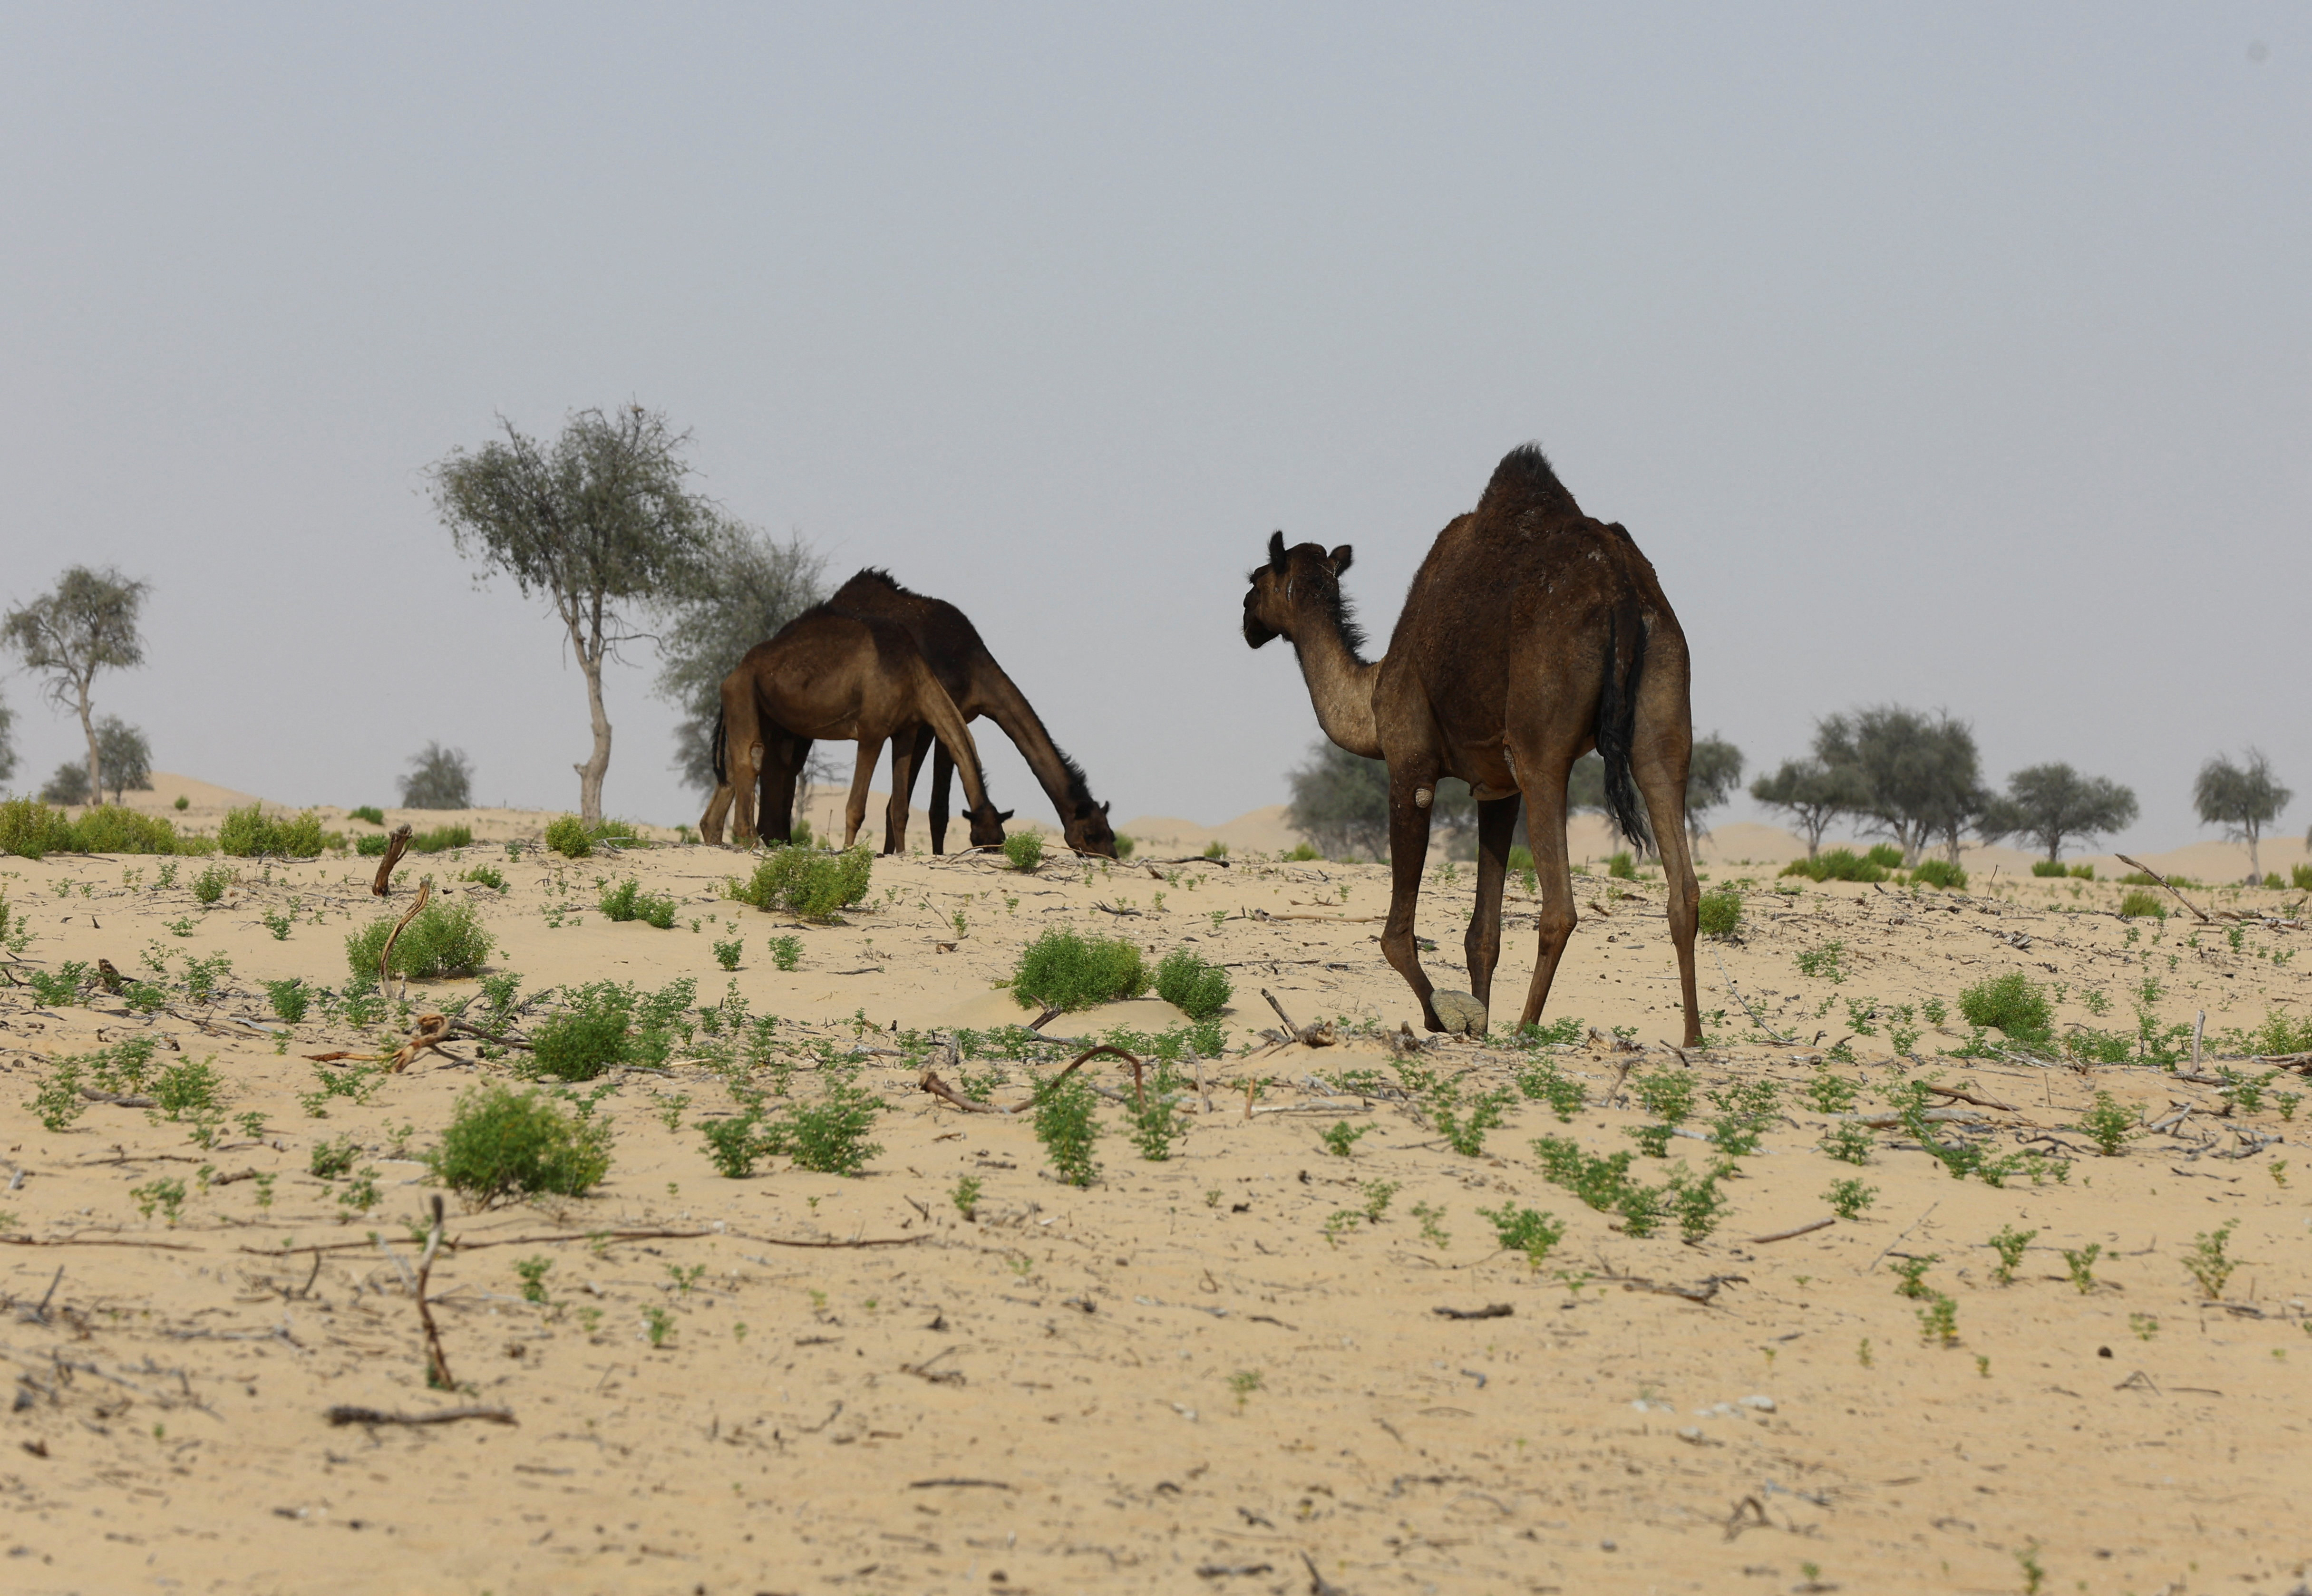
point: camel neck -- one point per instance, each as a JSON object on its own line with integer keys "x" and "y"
{"x": 1340, "y": 685}
{"x": 1008, "y": 706}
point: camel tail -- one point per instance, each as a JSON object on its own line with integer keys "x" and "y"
{"x": 1617, "y": 722}
{"x": 720, "y": 754}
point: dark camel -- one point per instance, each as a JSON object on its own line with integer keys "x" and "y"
{"x": 830, "y": 675}
{"x": 1532, "y": 633}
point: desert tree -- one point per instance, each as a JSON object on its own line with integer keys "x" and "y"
{"x": 69, "y": 785}
{"x": 7, "y": 741}
{"x": 2242, "y": 799}
{"x": 1815, "y": 794}
{"x": 439, "y": 779}
{"x": 2054, "y": 804}
{"x": 1711, "y": 777}
{"x": 126, "y": 757}
{"x": 1923, "y": 773}
{"x": 600, "y": 521}
{"x": 746, "y": 590}
{"x": 86, "y": 623}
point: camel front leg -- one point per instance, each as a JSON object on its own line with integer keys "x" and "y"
{"x": 907, "y": 763}
{"x": 862, "y": 775}
{"x": 1409, "y": 850}
{"x": 1544, "y": 830}
{"x": 718, "y": 807}
{"x": 942, "y": 778}
{"x": 1496, "y": 825}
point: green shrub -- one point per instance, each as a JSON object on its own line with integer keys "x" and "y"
{"x": 485, "y": 875}
{"x": 441, "y": 839}
{"x": 734, "y": 1142}
{"x": 2048, "y": 867}
{"x": 30, "y": 829}
{"x": 370, "y": 845}
{"x": 289, "y": 998}
{"x": 1942, "y": 873}
{"x": 2140, "y": 904}
{"x": 250, "y": 833}
{"x": 786, "y": 952}
{"x": 61, "y": 986}
{"x": 369, "y": 812}
{"x": 726, "y": 954}
{"x": 1885, "y": 856}
{"x": 1721, "y": 910}
{"x": 1064, "y": 969}
{"x": 2107, "y": 1124}
{"x": 1848, "y": 1199}
{"x": 628, "y": 902}
{"x": 1526, "y": 1230}
{"x": 1622, "y": 866}
{"x": 111, "y": 829}
{"x": 586, "y": 1040}
{"x": 1302, "y": 854}
{"x": 1192, "y": 984}
{"x": 566, "y": 835}
{"x": 1839, "y": 864}
{"x": 805, "y": 882}
{"x": 2301, "y": 877}
{"x": 830, "y": 1137}
{"x": 1025, "y": 850}
{"x": 1068, "y": 1127}
{"x": 1668, "y": 1095}
{"x": 2082, "y": 872}
{"x": 445, "y": 940}
{"x": 2014, "y": 1003}
{"x": 504, "y": 1144}
{"x": 209, "y": 886}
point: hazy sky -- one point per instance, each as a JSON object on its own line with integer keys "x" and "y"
{"x": 1949, "y": 354}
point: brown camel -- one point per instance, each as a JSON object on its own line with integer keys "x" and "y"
{"x": 830, "y": 675}
{"x": 1531, "y": 634}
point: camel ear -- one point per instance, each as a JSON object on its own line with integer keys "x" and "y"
{"x": 1340, "y": 558}
{"x": 1004, "y": 815}
{"x": 1276, "y": 552}
{"x": 1103, "y": 808}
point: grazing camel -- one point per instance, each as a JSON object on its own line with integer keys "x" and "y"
{"x": 830, "y": 675}
{"x": 951, "y": 645}
{"x": 1532, "y": 633}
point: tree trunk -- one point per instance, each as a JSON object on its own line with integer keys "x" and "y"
{"x": 2255, "y": 871}
{"x": 597, "y": 766}
{"x": 95, "y": 767}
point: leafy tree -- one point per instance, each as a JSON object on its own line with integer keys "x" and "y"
{"x": 1815, "y": 793}
{"x": 2051, "y": 804}
{"x": 126, "y": 757}
{"x": 1585, "y": 786}
{"x": 1923, "y": 773}
{"x": 599, "y": 519}
{"x": 1340, "y": 803}
{"x": 1712, "y": 778}
{"x": 747, "y": 588}
{"x": 2242, "y": 798}
{"x": 85, "y": 624}
{"x": 7, "y": 741}
{"x": 439, "y": 779}
{"x": 69, "y": 785}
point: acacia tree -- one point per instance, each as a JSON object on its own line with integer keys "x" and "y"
{"x": 7, "y": 741}
{"x": 2242, "y": 798}
{"x": 1815, "y": 794}
{"x": 2052, "y": 804}
{"x": 439, "y": 779}
{"x": 748, "y": 588}
{"x": 127, "y": 757}
{"x": 600, "y": 519}
{"x": 86, "y": 623}
{"x": 1922, "y": 772}
{"x": 1340, "y": 803}
{"x": 1711, "y": 779}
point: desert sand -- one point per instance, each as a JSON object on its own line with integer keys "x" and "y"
{"x": 1207, "y": 1373}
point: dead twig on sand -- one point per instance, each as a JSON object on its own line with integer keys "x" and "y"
{"x": 1962, "y": 1096}
{"x": 1907, "y": 1229}
{"x": 929, "y": 1081}
{"x": 396, "y": 843}
{"x": 441, "y": 1416}
{"x": 1693, "y": 1294}
{"x": 1744, "y": 1002}
{"x": 1490, "y": 1311}
{"x": 1783, "y": 1235}
{"x": 2163, "y": 881}
{"x": 432, "y": 1030}
{"x": 1318, "y": 1585}
{"x": 1320, "y": 1034}
{"x": 385, "y": 954}
{"x": 437, "y": 1366}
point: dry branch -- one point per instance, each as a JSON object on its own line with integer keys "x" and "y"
{"x": 437, "y": 1366}
{"x": 2163, "y": 881}
{"x": 441, "y": 1416}
{"x": 1784, "y": 1235}
{"x": 1970, "y": 1097}
{"x": 1744, "y": 1002}
{"x": 385, "y": 954}
{"x": 396, "y": 843}
{"x": 929, "y": 1081}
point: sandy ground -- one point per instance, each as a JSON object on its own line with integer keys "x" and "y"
{"x": 1176, "y": 1379}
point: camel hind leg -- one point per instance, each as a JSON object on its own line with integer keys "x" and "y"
{"x": 742, "y": 743}
{"x": 943, "y": 783}
{"x": 1661, "y": 753}
{"x": 1496, "y": 825}
{"x": 907, "y": 751}
{"x": 1541, "y": 775}
{"x": 863, "y": 776}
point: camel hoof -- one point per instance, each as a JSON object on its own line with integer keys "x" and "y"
{"x": 1462, "y": 1014}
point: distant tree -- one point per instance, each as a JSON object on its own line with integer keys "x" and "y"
{"x": 1712, "y": 778}
{"x": 1585, "y": 786}
{"x": 126, "y": 757}
{"x": 1923, "y": 773}
{"x": 2052, "y": 804}
{"x": 1815, "y": 794}
{"x": 600, "y": 519}
{"x": 69, "y": 785}
{"x": 1340, "y": 803}
{"x": 743, "y": 591}
{"x": 2242, "y": 798}
{"x": 439, "y": 779}
{"x": 86, "y": 623}
{"x": 7, "y": 741}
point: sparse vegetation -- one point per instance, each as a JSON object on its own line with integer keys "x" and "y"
{"x": 2012, "y": 1003}
{"x": 1721, "y": 910}
{"x": 1193, "y": 984}
{"x": 628, "y": 902}
{"x": 805, "y": 882}
{"x": 1024, "y": 849}
{"x": 504, "y": 1144}
{"x": 1849, "y": 1198}
{"x": 1068, "y": 1125}
{"x": 2208, "y": 1263}
{"x": 445, "y": 940}
{"x": 1065, "y": 969}
{"x": 1525, "y": 1230}
{"x": 251, "y": 833}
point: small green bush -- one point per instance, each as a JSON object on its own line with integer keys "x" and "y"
{"x": 1068, "y": 1127}
{"x": 1848, "y": 1199}
{"x": 786, "y": 952}
{"x": 2301, "y": 877}
{"x": 1721, "y": 910}
{"x": 441, "y": 839}
{"x": 1525, "y": 1230}
{"x": 1885, "y": 856}
{"x": 2140, "y": 904}
{"x": 1192, "y": 984}
{"x": 2013, "y": 1003}
{"x": 566, "y": 835}
{"x": 726, "y": 954}
{"x": 370, "y": 845}
{"x": 2107, "y": 1124}
{"x": 628, "y": 902}
{"x": 830, "y": 1137}
{"x": 251, "y": 833}
{"x": 445, "y": 940}
{"x": 805, "y": 882}
{"x": 369, "y": 812}
{"x": 586, "y": 1041}
{"x": 1942, "y": 873}
{"x": 289, "y": 998}
{"x": 2082, "y": 872}
{"x": 1839, "y": 864}
{"x": 1301, "y": 853}
{"x": 209, "y": 886}
{"x": 2048, "y": 867}
{"x": 1025, "y": 850}
{"x": 504, "y": 1144}
{"x": 1064, "y": 969}
{"x": 1622, "y": 866}
{"x": 31, "y": 830}
{"x": 485, "y": 875}
{"x": 111, "y": 829}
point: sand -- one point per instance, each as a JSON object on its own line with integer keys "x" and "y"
{"x": 1193, "y": 1374}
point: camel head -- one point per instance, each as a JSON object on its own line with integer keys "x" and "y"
{"x": 1272, "y": 604}
{"x": 1090, "y": 832}
{"x": 987, "y": 824}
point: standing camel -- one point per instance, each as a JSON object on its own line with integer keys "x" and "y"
{"x": 1532, "y": 633}
{"x": 830, "y": 675}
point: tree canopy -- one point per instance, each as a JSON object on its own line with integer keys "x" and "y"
{"x": 125, "y": 755}
{"x": 86, "y": 623}
{"x": 7, "y": 741}
{"x": 600, "y": 521}
{"x": 2052, "y": 804}
{"x": 439, "y": 779}
{"x": 1815, "y": 794}
{"x": 2242, "y": 799}
{"x": 746, "y": 589}
{"x": 1712, "y": 778}
{"x": 1923, "y": 773}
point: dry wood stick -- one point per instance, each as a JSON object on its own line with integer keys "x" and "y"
{"x": 396, "y": 843}
{"x": 1744, "y": 1002}
{"x": 437, "y": 1366}
{"x": 378, "y": 1416}
{"x": 385, "y": 954}
{"x": 1970, "y": 1098}
{"x": 1784, "y": 1235}
{"x": 1907, "y": 1229}
{"x": 929, "y": 1081}
{"x": 2163, "y": 881}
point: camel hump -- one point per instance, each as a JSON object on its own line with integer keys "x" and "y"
{"x": 1524, "y": 481}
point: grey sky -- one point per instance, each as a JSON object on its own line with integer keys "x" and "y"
{"x": 1956, "y": 355}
